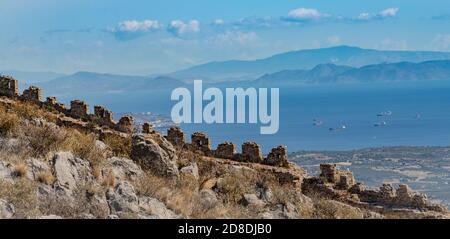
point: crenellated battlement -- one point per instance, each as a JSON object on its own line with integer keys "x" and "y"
{"x": 200, "y": 142}
{"x": 78, "y": 109}
{"x": 339, "y": 184}
{"x": 9, "y": 86}
{"x": 251, "y": 151}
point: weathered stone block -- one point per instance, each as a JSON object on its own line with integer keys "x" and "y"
{"x": 200, "y": 141}
{"x": 79, "y": 109}
{"x": 32, "y": 94}
{"x": 9, "y": 86}
{"x": 176, "y": 136}
{"x": 251, "y": 152}
{"x": 277, "y": 157}
{"x": 226, "y": 150}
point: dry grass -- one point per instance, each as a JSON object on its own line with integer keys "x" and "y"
{"x": 120, "y": 146}
{"x": 328, "y": 209}
{"x": 8, "y": 122}
{"x": 20, "y": 170}
{"x": 46, "y": 177}
{"x": 109, "y": 180}
{"x": 22, "y": 194}
{"x": 31, "y": 111}
{"x": 83, "y": 145}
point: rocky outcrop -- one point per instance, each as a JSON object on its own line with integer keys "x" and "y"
{"x": 190, "y": 171}
{"x": 70, "y": 170}
{"x": 122, "y": 169}
{"x": 122, "y": 198}
{"x": 158, "y": 158}
{"x": 156, "y": 209}
{"x": 7, "y": 210}
{"x": 252, "y": 200}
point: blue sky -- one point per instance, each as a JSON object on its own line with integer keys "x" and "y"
{"x": 147, "y": 37}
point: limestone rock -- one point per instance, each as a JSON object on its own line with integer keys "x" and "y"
{"x": 156, "y": 209}
{"x": 208, "y": 198}
{"x": 252, "y": 200}
{"x": 190, "y": 171}
{"x": 122, "y": 169}
{"x": 98, "y": 205}
{"x": 70, "y": 170}
{"x": 6, "y": 171}
{"x": 122, "y": 198}
{"x": 160, "y": 159}
{"x": 34, "y": 167}
{"x": 7, "y": 210}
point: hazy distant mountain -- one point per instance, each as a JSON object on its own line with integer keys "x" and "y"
{"x": 89, "y": 82}
{"x": 32, "y": 76}
{"x": 329, "y": 73}
{"x": 304, "y": 59}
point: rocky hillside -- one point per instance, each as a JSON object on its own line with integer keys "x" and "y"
{"x": 57, "y": 162}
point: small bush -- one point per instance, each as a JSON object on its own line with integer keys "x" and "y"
{"x": 31, "y": 111}
{"x": 46, "y": 177}
{"x": 44, "y": 140}
{"x": 120, "y": 146}
{"x": 20, "y": 170}
{"x": 83, "y": 145}
{"x": 8, "y": 123}
{"x": 22, "y": 194}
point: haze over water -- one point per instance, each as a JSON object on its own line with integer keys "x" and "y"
{"x": 420, "y": 115}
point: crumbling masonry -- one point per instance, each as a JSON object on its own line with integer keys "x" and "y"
{"x": 9, "y": 86}
{"x": 251, "y": 151}
{"x": 78, "y": 109}
{"x": 338, "y": 184}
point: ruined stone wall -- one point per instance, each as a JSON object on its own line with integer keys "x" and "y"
{"x": 277, "y": 157}
{"x": 175, "y": 135}
{"x": 337, "y": 184}
{"x": 225, "y": 150}
{"x": 103, "y": 116}
{"x": 9, "y": 86}
{"x": 32, "y": 94}
{"x": 251, "y": 152}
{"x": 53, "y": 102}
{"x": 200, "y": 141}
{"x": 79, "y": 109}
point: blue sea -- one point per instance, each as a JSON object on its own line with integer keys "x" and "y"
{"x": 420, "y": 115}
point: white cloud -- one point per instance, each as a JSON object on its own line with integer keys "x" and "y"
{"x": 306, "y": 14}
{"x": 388, "y": 12}
{"x": 134, "y": 26}
{"x": 131, "y": 29}
{"x": 180, "y": 28}
{"x": 364, "y": 16}
{"x": 383, "y": 14}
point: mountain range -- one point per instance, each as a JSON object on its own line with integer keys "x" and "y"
{"x": 341, "y": 64}
{"x": 302, "y": 60}
{"x": 101, "y": 83}
{"x": 330, "y": 73}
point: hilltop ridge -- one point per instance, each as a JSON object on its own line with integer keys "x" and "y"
{"x": 59, "y": 162}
